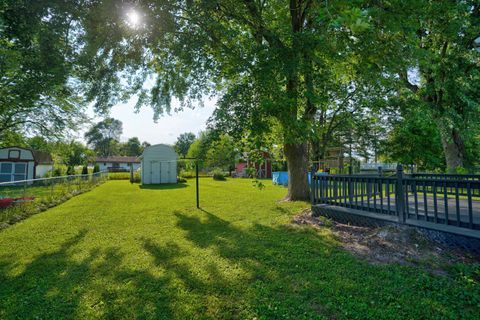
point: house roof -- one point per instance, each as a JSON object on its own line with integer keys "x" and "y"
{"x": 118, "y": 159}
{"x": 42, "y": 157}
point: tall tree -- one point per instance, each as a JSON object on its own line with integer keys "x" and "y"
{"x": 199, "y": 148}
{"x": 446, "y": 73}
{"x": 105, "y": 136}
{"x": 37, "y": 94}
{"x": 73, "y": 153}
{"x": 132, "y": 147}
{"x": 183, "y": 143}
{"x": 222, "y": 154}
{"x": 414, "y": 140}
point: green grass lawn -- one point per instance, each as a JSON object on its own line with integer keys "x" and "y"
{"x": 123, "y": 251}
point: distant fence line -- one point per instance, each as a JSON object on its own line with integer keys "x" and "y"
{"x": 442, "y": 202}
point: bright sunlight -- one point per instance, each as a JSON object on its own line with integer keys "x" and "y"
{"x": 133, "y": 18}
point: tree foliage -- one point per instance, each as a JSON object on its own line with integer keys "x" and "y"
{"x": 37, "y": 50}
{"x": 447, "y": 68}
{"x": 183, "y": 143}
{"x": 222, "y": 154}
{"x": 133, "y": 147}
{"x": 104, "y": 136}
{"x": 311, "y": 72}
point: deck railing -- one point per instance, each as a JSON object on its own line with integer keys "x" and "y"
{"x": 429, "y": 200}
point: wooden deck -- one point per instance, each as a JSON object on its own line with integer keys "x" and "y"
{"x": 429, "y": 210}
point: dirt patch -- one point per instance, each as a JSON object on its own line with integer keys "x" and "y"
{"x": 390, "y": 244}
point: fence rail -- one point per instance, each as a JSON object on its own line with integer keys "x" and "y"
{"x": 434, "y": 201}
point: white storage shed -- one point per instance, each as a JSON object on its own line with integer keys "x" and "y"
{"x": 159, "y": 164}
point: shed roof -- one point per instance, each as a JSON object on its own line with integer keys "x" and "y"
{"x": 42, "y": 157}
{"x": 118, "y": 159}
{"x": 160, "y": 151}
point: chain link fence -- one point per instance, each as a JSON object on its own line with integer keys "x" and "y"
{"x": 19, "y": 199}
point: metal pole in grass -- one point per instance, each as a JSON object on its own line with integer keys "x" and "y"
{"x": 131, "y": 173}
{"x": 196, "y": 183}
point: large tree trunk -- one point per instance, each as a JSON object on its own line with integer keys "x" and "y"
{"x": 453, "y": 148}
{"x": 296, "y": 155}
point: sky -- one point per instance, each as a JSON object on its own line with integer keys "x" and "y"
{"x": 165, "y": 130}
{"x": 141, "y": 124}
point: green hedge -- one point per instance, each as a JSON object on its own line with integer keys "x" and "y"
{"x": 125, "y": 176}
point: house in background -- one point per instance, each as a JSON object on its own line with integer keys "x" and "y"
{"x": 18, "y": 163}
{"x": 263, "y": 168}
{"x": 117, "y": 163}
{"x": 44, "y": 163}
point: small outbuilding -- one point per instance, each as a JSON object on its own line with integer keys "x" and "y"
{"x": 263, "y": 168}
{"x": 159, "y": 164}
{"x": 18, "y": 163}
{"x": 44, "y": 163}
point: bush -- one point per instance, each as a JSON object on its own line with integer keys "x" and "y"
{"x": 119, "y": 175}
{"x": 461, "y": 170}
{"x": 85, "y": 170}
{"x": 96, "y": 168}
{"x": 186, "y": 174}
{"x": 55, "y": 172}
{"x": 251, "y": 172}
{"x": 218, "y": 174}
{"x": 70, "y": 171}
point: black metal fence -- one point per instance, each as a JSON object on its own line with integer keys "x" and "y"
{"x": 430, "y": 200}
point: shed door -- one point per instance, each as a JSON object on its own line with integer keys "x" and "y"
{"x": 155, "y": 172}
{"x": 165, "y": 172}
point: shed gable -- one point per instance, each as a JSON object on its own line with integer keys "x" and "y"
{"x": 16, "y": 154}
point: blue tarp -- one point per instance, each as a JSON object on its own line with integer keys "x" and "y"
{"x": 281, "y": 177}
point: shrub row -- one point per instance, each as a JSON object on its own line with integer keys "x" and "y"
{"x": 125, "y": 176}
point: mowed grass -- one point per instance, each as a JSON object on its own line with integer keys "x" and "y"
{"x": 122, "y": 251}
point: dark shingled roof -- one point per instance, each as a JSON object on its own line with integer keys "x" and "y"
{"x": 42, "y": 157}
{"x": 118, "y": 159}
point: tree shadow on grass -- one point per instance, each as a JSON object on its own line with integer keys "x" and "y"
{"x": 292, "y": 272}
{"x": 163, "y": 186}
{"x": 58, "y": 285}
{"x": 221, "y": 269}
{"x": 39, "y": 289}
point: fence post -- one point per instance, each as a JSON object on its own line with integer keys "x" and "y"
{"x": 350, "y": 186}
{"x": 24, "y": 189}
{"x": 400, "y": 195}
{"x": 312, "y": 184}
